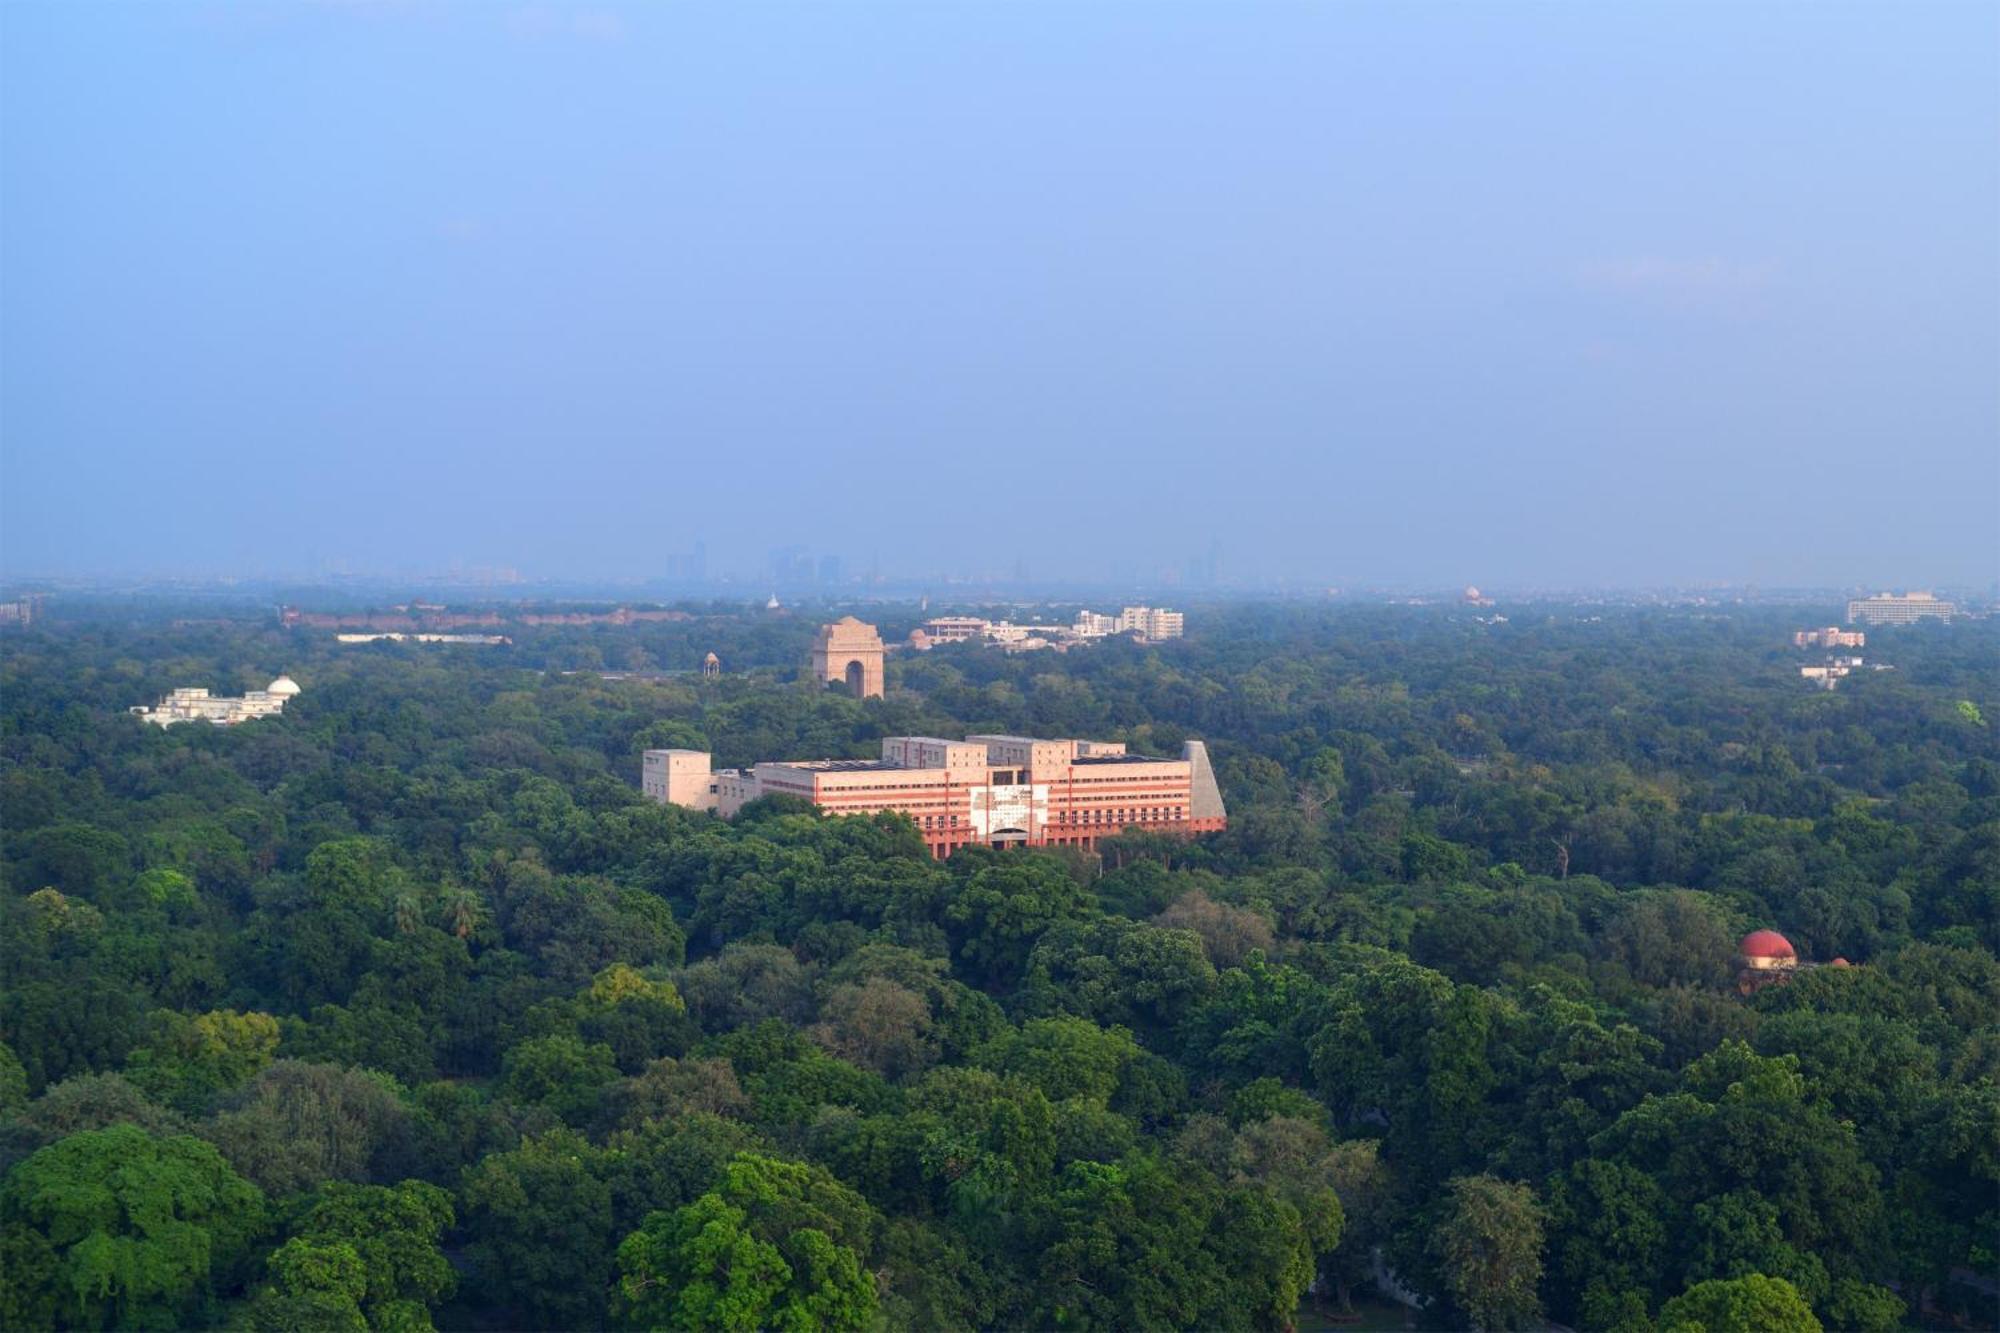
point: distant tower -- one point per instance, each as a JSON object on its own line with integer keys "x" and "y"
{"x": 849, "y": 652}
{"x": 711, "y": 666}
{"x": 774, "y": 604}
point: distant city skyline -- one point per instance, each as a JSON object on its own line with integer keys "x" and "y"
{"x": 1229, "y": 295}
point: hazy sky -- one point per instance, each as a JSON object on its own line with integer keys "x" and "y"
{"x": 1540, "y": 293}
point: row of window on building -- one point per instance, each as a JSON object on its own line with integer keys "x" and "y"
{"x": 1146, "y": 815}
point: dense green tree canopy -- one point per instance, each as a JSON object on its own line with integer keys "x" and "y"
{"x": 406, "y": 1007}
{"x": 118, "y": 1227}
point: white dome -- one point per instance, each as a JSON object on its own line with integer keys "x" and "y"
{"x": 282, "y": 685}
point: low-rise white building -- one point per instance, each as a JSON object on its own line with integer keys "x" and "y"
{"x": 954, "y": 629}
{"x": 397, "y": 636}
{"x": 195, "y": 704}
{"x": 1090, "y": 625}
{"x": 1837, "y": 669}
{"x": 1147, "y": 622}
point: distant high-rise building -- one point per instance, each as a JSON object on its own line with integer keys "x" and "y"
{"x": 1206, "y": 567}
{"x": 1885, "y": 608}
{"x": 1150, "y": 622}
{"x": 691, "y": 567}
{"x": 829, "y": 569}
{"x": 792, "y": 566}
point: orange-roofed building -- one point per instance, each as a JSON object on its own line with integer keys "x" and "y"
{"x": 1766, "y": 957}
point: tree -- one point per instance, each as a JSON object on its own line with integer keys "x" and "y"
{"x": 1488, "y": 1250}
{"x": 135, "y": 1229}
{"x": 314, "y": 1285}
{"x": 1669, "y": 939}
{"x": 562, "y": 1073}
{"x": 13, "y": 1082}
{"x": 1609, "y": 1229}
{"x": 932, "y": 1278}
{"x": 462, "y": 911}
{"x": 745, "y": 984}
{"x": 668, "y": 1088}
{"x": 985, "y": 1139}
{"x": 82, "y": 1023}
{"x": 1228, "y": 934}
{"x": 639, "y": 1017}
{"x": 1751, "y": 1304}
{"x": 1361, "y": 1182}
{"x": 187, "y": 1061}
{"x": 1026, "y": 1062}
{"x": 540, "y": 1230}
{"x": 1293, "y": 1159}
{"x": 700, "y": 1267}
{"x": 1864, "y": 1307}
{"x": 1064, "y": 1057}
{"x": 1140, "y": 1244}
{"x": 89, "y": 1101}
{"x": 1117, "y": 972}
{"x": 877, "y": 1025}
{"x": 1757, "y": 1174}
{"x": 76, "y": 858}
{"x": 1002, "y": 908}
{"x": 392, "y": 1236}
{"x": 776, "y": 1245}
{"x": 1256, "y": 1023}
{"x": 296, "y": 1125}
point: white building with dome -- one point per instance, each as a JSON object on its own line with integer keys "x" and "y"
{"x": 198, "y": 705}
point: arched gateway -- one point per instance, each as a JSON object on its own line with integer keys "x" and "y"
{"x": 849, "y": 652}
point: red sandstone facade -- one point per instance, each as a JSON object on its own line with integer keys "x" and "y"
{"x": 994, "y": 790}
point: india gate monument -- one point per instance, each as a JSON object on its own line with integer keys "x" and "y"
{"x": 849, "y": 652}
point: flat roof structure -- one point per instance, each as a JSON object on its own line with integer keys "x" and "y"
{"x": 993, "y": 790}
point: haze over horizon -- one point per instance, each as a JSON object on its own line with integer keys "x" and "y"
{"x": 1519, "y": 294}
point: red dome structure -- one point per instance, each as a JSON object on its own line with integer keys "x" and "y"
{"x": 1766, "y": 944}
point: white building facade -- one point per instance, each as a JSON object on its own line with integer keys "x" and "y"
{"x": 198, "y": 705}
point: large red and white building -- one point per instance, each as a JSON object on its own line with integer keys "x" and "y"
{"x": 997, "y": 790}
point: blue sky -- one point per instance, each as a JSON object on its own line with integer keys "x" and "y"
{"x": 1513, "y": 294}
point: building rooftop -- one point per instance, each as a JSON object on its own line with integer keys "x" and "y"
{"x": 1766, "y": 944}
{"x": 840, "y": 765}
